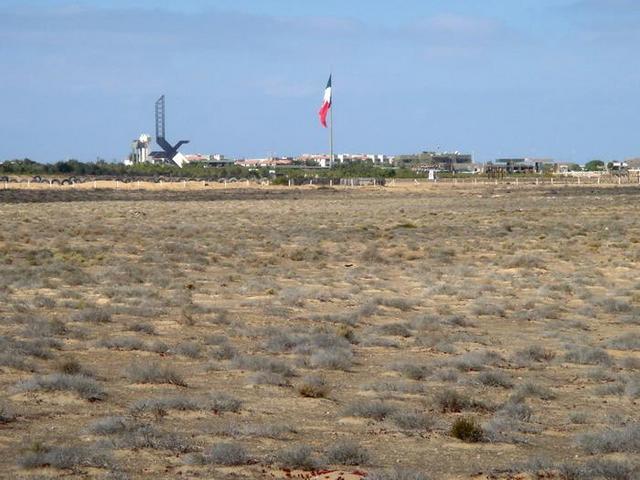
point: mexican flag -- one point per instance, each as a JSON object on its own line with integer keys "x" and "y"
{"x": 326, "y": 105}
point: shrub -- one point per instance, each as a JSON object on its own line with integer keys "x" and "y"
{"x": 122, "y": 343}
{"x": 411, "y": 420}
{"x": 630, "y": 363}
{"x": 467, "y": 430}
{"x": 147, "y": 436}
{"x": 223, "y": 352}
{"x": 399, "y": 303}
{"x": 347, "y": 452}
{"x": 411, "y": 370}
{"x": 578, "y": 418}
{"x": 484, "y": 307}
{"x": 614, "y": 305}
{"x": 452, "y": 401}
{"x": 313, "y": 386}
{"x": 189, "y": 349}
{"x": 535, "y": 353}
{"x": 298, "y": 456}
{"x": 222, "y": 402}
{"x": 525, "y": 261}
{"x": 268, "y": 378}
{"x": 6, "y": 415}
{"x": 588, "y": 356}
{"x": 109, "y": 426}
{"x": 155, "y": 373}
{"x": 143, "y": 327}
{"x": 475, "y": 361}
{"x": 515, "y": 410}
{"x": 165, "y": 403}
{"x": 629, "y": 341}
{"x": 332, "y": 359}
{"x": 397, "y": 473}
{"x": 395, "y": 330}
{"x": 266, "y": 364}
{"x": 92, "y": 315}
{"x": 226, "y": 454}
{"x": 395, "y": 386}
{"x": 374, "y": 409}
{"x": 235, "y": 430}
{"x": 71, "y": 366}
{"x": 530, "y": 389}
{"x": 84, "y": 386}
{"x": 39, "y": 456}
{"x": 495, "y": 379}
{"x": 625, "y": 440}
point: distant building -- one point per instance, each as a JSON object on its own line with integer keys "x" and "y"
{"x": 140, "y": 152}
{"x": 265, "y": 162}
{"x": 519, "y": 165}
{"x": 444, "y": 161}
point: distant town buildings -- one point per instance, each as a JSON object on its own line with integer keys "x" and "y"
{"x": 428, "y": 163}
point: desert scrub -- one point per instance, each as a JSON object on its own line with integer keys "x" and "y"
{"x": 395, "y": 330}
{"x": 92, "y": 315}
{"x": 585, "y": 355}
{"x": 313, "y": 386}
{"x": 232, "y": 428}
{"x": 467, "y": 430}
{"x": 147, "y": 436}
{"x": 84, "y": 386}
{"x": 624, "y": 440}
{"x": 347, "y": 452}
{"x": 155, "y": 373}
{"x": 534, "y": 353}
{"x": 122, "y": 343}
{"x": 6, "y": 414}
{"x": 495, "y": 378}
{"x": 397, "y": 473}
{"x": 374, "y": 409}
{"x": 298, "y": 457}
{"x": 411, "y": 370}
{"x": 628, "y": 341}
{"x": 160, "y": 404}
{"x": 220, "y": 402}
{"x": 39, "y": 455}
{"x": 228, "y": 454}
{"x": 110, "y": 425}
{"x": 142, "y": 327}
{"x": 265, "y": 364}
{"x": 335, "y": 359}
{"x": 476, "y": 361}
{"x": 451, "y": 401}
{"x": 411, "y": 420}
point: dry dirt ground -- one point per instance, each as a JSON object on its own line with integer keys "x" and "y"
{"x": 398, "y": 334}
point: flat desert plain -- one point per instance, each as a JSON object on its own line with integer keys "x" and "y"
{"x": 393, "y": 334}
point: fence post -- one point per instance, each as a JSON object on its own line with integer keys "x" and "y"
{"x": 331, "y": 182}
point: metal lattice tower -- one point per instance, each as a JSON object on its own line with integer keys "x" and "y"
{"x": 170, "y": 151}
{"x": 160, "y": 118}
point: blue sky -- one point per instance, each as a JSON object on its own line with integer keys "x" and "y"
{"x": 542, "y": 78}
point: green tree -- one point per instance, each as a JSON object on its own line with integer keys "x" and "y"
{"x": 594, "y": 166}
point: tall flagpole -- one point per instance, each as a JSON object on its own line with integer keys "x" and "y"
{"x": 331, "y": 129}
